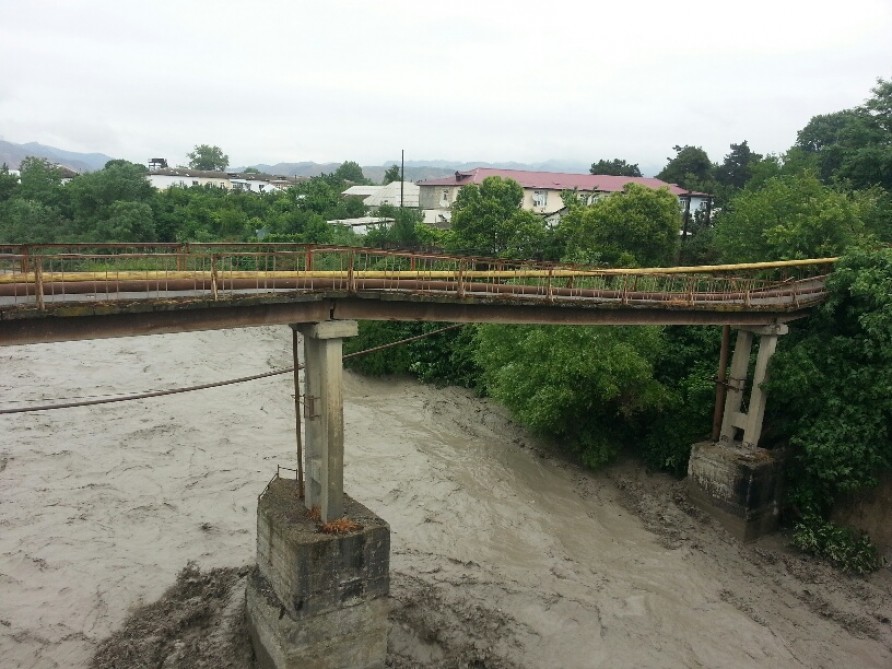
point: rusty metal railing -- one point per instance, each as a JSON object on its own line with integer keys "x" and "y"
{"x": 39, "y": 275}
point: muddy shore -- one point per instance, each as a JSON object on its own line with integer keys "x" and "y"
{"x": 503, "y": 553}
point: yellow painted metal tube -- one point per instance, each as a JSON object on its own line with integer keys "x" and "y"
{"x": 260, "y": 275}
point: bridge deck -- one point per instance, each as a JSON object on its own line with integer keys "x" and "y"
{"x": 51, "y": 293}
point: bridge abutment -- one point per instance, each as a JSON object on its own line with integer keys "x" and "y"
{"x": 732, "y": 478}
{"x": 318, "y": 596}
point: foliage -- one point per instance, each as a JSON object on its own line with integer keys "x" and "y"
{"x": 402, "y": 234}
{"x": 9, "y": 183}
{"x": 445, "y": 358}
{"x": 391, "y": 174}
{"x": 350, "y": 171}
{"x": 831, "y": 386}
{"x": 40, "y": 181}
{"x": 587, "y": 387}
{"x": 690, "y": 169}
{"x": 791, "y": 217}
{"x": 487, "y": 220}
{"x": 207, "y": 157}
{"x": 841, "y": 546}
{"x": 737, "y": 167}
{"x": 854, "y": 145}
{"x": 616, "y": 167}
{"x": 686, "y": 367}
{"x": 638, "y": 226}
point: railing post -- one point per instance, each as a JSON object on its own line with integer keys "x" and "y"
{"x": 461, "y": 278}
{"x": 26, "y": 254}
{"x": 38, "y": 282}
{"x": 351, "y": 280}
{"x": 214, "y": 277}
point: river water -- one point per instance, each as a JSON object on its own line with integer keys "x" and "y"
{"x": 498, "y": 544}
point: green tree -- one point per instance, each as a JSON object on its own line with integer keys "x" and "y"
{"x": 853, "y": 144}
{"x": 40, "y": 181}
{"x": 637, "y": 226}
{"x": 31, "y": 222}
{"x": 126, "y": 222}
{"x": 616, "y": 167}
{"x": 792, "y": 217}
{"x": 588, "y": 387}
{"x": 350, "y": 171}
{"x": 737, "y": 168}
{"x": 9, "y": 183}
{"x": 92, "y": 195}
{"x": 831, "y": 385}
{"x": 690, "y": 169}
{"x": 251, "y": 170}
{"x": 391, "y": 174}
{"x": 207, "y": 157}
{"x": 487, "y": 220}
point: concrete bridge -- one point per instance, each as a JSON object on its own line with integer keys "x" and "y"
{"x": 64, "y": 292}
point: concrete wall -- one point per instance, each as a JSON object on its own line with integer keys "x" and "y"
{"x": 871, "y": 512}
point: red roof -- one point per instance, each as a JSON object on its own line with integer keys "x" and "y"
{"x": 604, "y": 183}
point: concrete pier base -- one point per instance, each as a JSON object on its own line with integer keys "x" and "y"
{"x": 740, "y": 486}
{"x": 315, "y": 600}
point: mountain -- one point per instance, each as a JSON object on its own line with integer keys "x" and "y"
{"x": 13, "y": 154}
{"x": 416, "y": 169}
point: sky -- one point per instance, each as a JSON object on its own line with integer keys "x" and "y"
{"x": 335, "y": 80}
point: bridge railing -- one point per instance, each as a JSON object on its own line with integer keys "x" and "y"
{"x": 38, "y": 274}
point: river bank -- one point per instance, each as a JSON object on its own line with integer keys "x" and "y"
{"x": 502, "y": 552}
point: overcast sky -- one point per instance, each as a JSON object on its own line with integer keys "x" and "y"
{"x": 331, "y": 80}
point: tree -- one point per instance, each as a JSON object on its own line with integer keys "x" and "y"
{"x": 737, "y": 168}
{"x": 792, "y": 217}
{"x": 126, "y": 222}
{"x": 9, "y": 183}
{"x": 251, "y": 170}
{"x": 392, "y": 174}
{"x": 487, "y": 220}
{"x": 40, "y": 181}
{"x": 831, "y": 386}
{"x": 92, "y": 195}
{"x": 853, "y": 144}
{"x": 616, "y": 167}
{"x": 690, "y": 169}
{"x": 350, "y": 171}
{"x": 637, "y": 226}
{"x": 588, "y": 387}
{"x": 30, "y": 222}
{"x": 207, "y": 157}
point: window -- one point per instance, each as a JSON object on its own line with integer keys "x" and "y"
{"x": 444, "y": 199}
{"x": 540, "y": 198}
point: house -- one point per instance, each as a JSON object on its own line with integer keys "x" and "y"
{"x": 543, "y": 191}
{"x": 364, "y": 224}
{"x": 389, "y": 194}
{"x": 253, "y": 182}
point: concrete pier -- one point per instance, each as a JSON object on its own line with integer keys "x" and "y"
{"x": 732, "y": 478}
{"x": 738, "y": 485}
{"x": 316, "y": 600}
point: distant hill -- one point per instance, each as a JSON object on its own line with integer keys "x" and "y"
{"x": 13, "y": 154}
{"x": 416, "y": 169}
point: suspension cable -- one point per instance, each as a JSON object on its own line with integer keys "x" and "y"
{"x": 216, "y": 384}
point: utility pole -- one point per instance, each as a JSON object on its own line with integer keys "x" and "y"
{"x": 402, "y": 176}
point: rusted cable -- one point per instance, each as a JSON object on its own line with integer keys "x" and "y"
{"x": 206, "y": 386}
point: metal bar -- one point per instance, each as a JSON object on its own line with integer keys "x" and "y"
{"x": 721, "y": 387}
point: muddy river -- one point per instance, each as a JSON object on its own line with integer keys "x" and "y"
{"x": 501, "y": 550}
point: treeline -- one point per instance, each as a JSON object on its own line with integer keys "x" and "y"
{"x": 118, "y": 204}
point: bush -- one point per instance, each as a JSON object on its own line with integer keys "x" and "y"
{"x": 841, "y": 546}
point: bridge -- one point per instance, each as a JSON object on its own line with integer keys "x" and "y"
{"x": 58, "y": 292}
{"x": 63, "y": 292}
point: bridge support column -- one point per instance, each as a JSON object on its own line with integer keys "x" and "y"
{"x": 732, "y": 478}
{"x": 324, "y": 415}
{"x": 318, "y": 596}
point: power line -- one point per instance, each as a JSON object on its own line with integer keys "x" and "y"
{"x": 206, "y": 386}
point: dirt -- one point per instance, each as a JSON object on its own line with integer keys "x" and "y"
{"x": 503, "y": 554}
